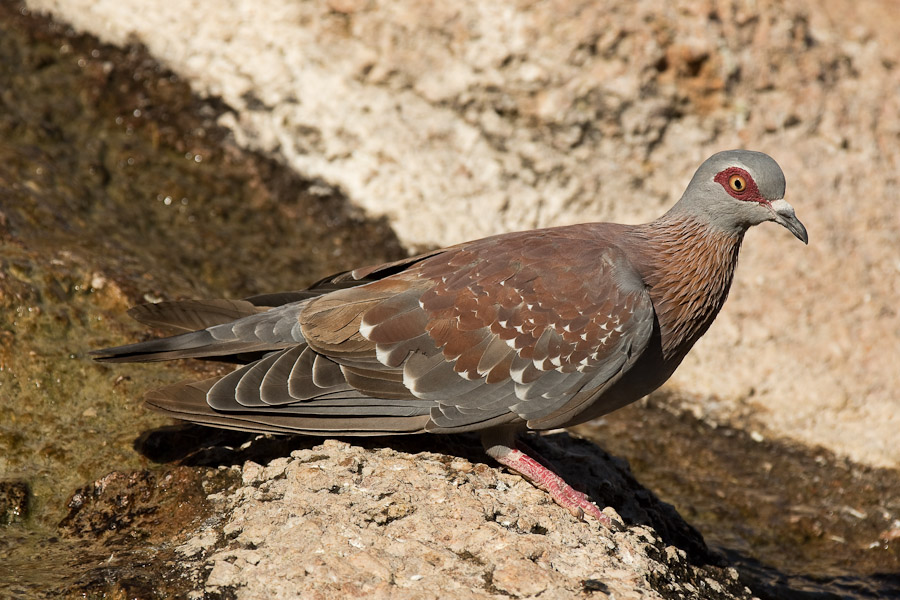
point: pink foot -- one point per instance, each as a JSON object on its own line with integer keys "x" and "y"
{"x": 562, "y": 493}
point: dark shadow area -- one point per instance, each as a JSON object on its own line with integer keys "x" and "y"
{"x": 797, "y": 522}
{"x": 770, "y": 583}
{"x": 200, "y": 445}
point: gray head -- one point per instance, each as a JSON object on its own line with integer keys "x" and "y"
{"x": 737, "y": 189}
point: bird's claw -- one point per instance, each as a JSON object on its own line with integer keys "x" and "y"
{"x": 577, "y": 503}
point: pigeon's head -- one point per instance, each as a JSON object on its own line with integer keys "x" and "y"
{"x": 737, "y": 189}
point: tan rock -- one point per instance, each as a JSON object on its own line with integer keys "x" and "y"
{"x": 426, "y": 535}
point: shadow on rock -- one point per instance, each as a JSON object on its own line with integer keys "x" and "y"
{"x": 606, "y": 479}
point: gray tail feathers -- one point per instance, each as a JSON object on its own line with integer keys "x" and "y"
{"x": 189, "y": 318}
{"x": 225, "y": 329}
{"x": 196, "y": 344}
{"x": 182, "y": 316}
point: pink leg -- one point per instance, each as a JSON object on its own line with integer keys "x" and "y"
{"x": 543, "y": 477}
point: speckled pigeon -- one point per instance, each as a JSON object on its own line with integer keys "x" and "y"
{"x": 530, "y": 330}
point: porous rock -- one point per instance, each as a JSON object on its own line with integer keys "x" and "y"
{"x": 338, "y": 519}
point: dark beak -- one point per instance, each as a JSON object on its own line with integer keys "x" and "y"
{"x": 784, "y": 215}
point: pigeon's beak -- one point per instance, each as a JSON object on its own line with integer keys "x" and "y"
{"x": 784, "y": 215}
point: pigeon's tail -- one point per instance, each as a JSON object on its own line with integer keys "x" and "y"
{"x": 196, "y": 344}
{"x": 180, "y": 316}
{"x": 236, "y": 330}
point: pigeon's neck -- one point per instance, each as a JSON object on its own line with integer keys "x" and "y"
{"x": 691, "y": 266}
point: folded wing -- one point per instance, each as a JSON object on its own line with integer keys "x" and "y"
{"x": 516, "y": 328}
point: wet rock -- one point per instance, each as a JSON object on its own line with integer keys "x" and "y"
{"x": 15, "y": 498}
{"x": 104, "y": 205}
{"x": 149, "y": 506}
{"x": 123, "y": 530}
{"x": 532, "y": 119}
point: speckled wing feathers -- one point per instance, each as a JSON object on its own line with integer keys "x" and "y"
{"x": 513, "y": 328}
{"x": 538, "y": 317}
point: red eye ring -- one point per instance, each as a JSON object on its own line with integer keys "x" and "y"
{"x": 739, "y": 184}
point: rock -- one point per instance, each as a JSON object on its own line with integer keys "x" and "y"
{"x": 130, "y": 217}
{"x": 342, "y": 518}
{"x": 150, "y": 506}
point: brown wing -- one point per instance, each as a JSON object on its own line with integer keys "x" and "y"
{"x": 524, "y": 324}
{"x": 505, "y": 329}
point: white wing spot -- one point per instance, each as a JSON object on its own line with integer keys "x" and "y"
{"x": 516, "y": 373}
{"x": 381, "y": 353}
{"x": 365, "y": 329}
{"x": 469, "y": 376}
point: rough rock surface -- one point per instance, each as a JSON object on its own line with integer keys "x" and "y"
{"x": 470, "y": 118}
{"x": 338, "y": 520}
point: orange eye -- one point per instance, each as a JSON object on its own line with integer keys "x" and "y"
{"x": 737, "y": 183}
